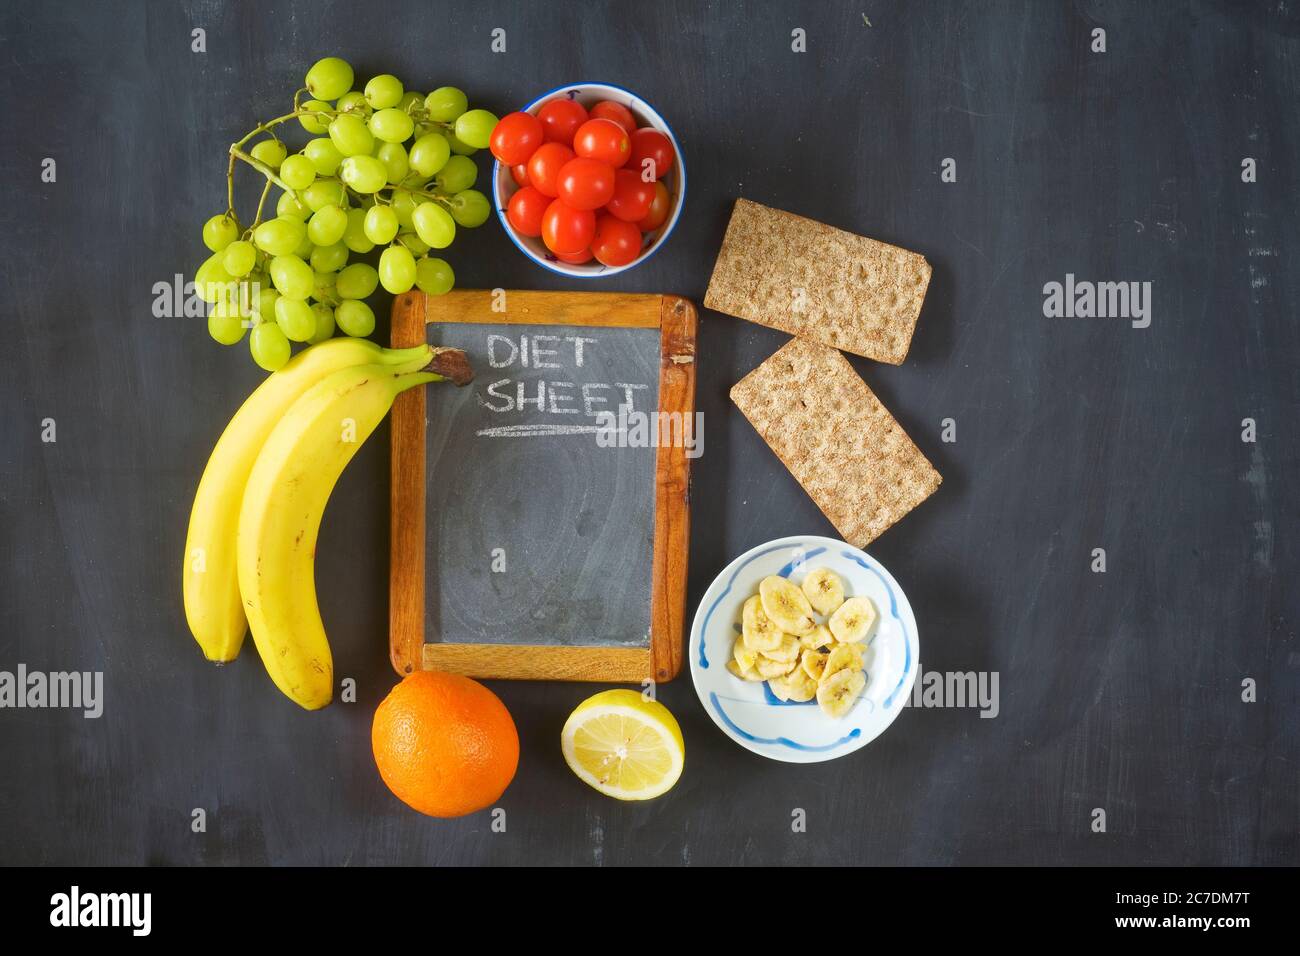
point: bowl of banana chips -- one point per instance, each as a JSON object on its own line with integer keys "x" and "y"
{"x": 804, "y": 649}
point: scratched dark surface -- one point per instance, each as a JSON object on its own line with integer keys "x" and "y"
{"x": 1120, "y": 691}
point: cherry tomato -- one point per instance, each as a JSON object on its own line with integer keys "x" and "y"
{"x": 620, "y": 114}
{"x": 526, "y": 209}
{"x": 576, "y": 259}
{"x": 659, "y": 209}
{"x": 586, "y": 183}
{"x": 515, "y": 137}
{"x": 544, "y": 167}
{"x": 654, "y": 145}
{"x": 616, "y": 242}
{"x": 519, "y": 174}
{"x": 632, "y": 197}
{"x": 561, "y": 119}
{"x": 604, "y": 140}
{"x": 567, "y": 230}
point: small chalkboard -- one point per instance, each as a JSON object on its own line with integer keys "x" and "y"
{"x": 540, "y": 519}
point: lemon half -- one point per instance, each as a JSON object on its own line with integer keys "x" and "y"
{"x": 624, "y": 746}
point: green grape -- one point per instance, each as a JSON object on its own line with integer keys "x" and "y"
{"x": 393, "y": 156}
{"x": 324, "y": 316}
{"x": 475, "y": 128}
{"x": 429, "y": 153}
{"x": 220, "y": 231}
{"x": 239, "y": 258}
{"x": 470, "y": 208}
{"x": 458, "y": 175}
{"x": 316, "y": 125}
{"x": 409, "y": 99}
{"x": 354, "y": 236}
{"x": 383, "y": 91}
{"x": 413, "y": 242}
{"x": 396, "y": 270}
{"x": 298, "y": 172}
{"x": 365, "y": 174}
{"x": 305, "y": 248}
{"x": 211, "y": 280}
{"x": 356, "y": 281}
{"x": 293, "y": 277}
{"x": 354, "y": 102}
{"x": 434, "y": 225}
{"x": 434, "y": 275}
{"x": 225, "y": 326}
{"x": 326, "y": 225}
{"x": 324, "y": 286}
{"x": 351, "y": 135}
{"x": 324, "y": 192}
{"x": 330, "y": 78}
{"x": 355, "y": 318}
{"x": 403, "y": 206}
{"x": 392, "y": 126}
{"x": 295, "y": 319}
{"x": 264, "y": 304}
{"x": 445, "y": 104}
{"x": 269, "y": 151}
{"x": 458, "y": 146}
{"x": 269, "y": 346}
{"x": 279, "y": 236}
{"x": 332, "y": 258}
{"x": 381, "y": 225}
{"x": 290, "y": 206}
{"x": 324, "y": 155}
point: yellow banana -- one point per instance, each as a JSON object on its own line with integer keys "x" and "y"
{"x": 210, "y": 581}
{"x": 284, "y": 500}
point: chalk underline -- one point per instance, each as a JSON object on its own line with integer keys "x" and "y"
{"x": 530, "y": 431}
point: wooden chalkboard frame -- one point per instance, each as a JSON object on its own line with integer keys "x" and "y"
{"x": 676, "y": 320}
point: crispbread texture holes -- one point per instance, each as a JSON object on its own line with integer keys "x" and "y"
{"x": 836, "y": 438}
{"x": 813, "y": 280}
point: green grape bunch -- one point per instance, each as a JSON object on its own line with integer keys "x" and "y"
{"x": 386, "y": 168}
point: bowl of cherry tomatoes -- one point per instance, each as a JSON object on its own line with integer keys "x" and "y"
{"x": 588, "y": 181}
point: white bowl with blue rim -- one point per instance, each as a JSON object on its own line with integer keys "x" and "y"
{"x": 589, "y": 94}
{"x": 748, "y": 712}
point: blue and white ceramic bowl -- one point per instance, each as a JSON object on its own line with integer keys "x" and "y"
{"x": 589, "y": 94}
{"x": 748, "y": 712}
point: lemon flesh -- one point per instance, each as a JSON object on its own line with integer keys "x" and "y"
{"x": 625, "y": 747}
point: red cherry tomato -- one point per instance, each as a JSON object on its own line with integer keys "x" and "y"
{"x": 604, "y": 140}
{"x": 526, "y": 209}
{"x": 561, "y": 119}
{"x": 515, "y": 137}
{"x": 544, "y": 167}
{"x": 616, "y": 242}
{"x": 632, "y": 197}
{"x": 620, "y": 114}
{"x": 567, "y": 230}
{"x": 576, "y": 259}
{"x": 654, "y": 145}
{"x": 586, "y": 183}
{"x": 659, "y": 209}
{"x": 519, "y": 174}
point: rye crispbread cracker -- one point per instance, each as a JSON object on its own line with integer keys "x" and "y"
{"x": 810, "y": 279}
{"x": 829, "y": 429}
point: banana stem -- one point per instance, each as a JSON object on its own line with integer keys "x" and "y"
{"x": 451, "y": 364}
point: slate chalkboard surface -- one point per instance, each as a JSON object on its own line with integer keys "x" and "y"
{"x": 1127, "y": 691}
{"x": 536, "y": 533}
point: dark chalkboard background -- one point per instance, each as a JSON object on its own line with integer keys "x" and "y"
{"x": 1120, "y": 691}
{"x": 532, "y": 538}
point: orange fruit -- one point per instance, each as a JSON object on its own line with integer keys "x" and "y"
{"x": 444, "y": 744}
